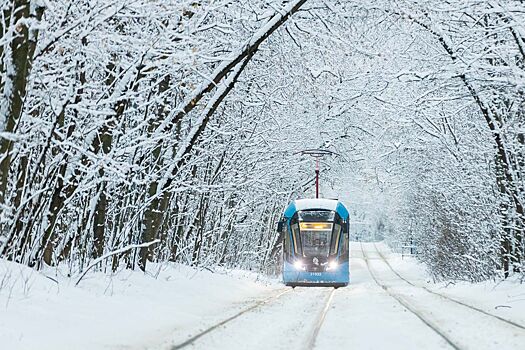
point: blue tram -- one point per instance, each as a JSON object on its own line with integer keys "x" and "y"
{"x": 315, "y": 243}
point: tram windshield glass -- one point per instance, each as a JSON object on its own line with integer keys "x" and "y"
{"x": 316, "y": 215}
{"x": 315, "y": 237}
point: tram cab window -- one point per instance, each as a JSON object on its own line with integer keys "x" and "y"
{"x": 316, "y": 238}
{"x": 316, "y": 243}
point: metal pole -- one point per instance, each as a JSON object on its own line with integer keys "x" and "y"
{"x": 316, "y": 177}
{"x": 317, "y": 153}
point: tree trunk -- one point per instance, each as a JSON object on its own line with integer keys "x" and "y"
{"x": 159, "y": 203}
{"x": 22, "y": 48}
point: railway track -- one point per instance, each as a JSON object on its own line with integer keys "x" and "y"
{"x": 454, "y": 339}
{"x": 320, "y": 320}
{"x": 458, "y": 302}
{"x": 210, "y": 329}
{"x": 409, "y": 306}
{"x": 309, "y": 345}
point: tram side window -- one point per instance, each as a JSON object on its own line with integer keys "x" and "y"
{"x": 334, "y": 246}
{"x": 295, "y": 236}
{"x": 286, "y": 237}
{"x": 346, "y": 243}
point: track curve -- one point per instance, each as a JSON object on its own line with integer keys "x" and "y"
{"x": 195, "y": 337}
{"x": 471, "y": 307}
{"x": 408, "y": 306}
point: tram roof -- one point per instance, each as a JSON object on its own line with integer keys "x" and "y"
{"x": 316, "y": 203}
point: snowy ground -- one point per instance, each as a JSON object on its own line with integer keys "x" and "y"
{"x": 127, "y": 311}
{"x": 136, "y": 311}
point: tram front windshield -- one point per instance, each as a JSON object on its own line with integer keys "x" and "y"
{"x": 316, "y": 215}
{"x": 316, "y": 232}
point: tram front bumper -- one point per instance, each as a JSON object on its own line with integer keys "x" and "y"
{"x": 339, "y": 275}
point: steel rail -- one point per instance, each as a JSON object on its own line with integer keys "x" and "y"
{"x": 517, "y": 325}
{"x": 192, "y": 339}
{"x": 320, "y": 320}
{"x": 408, "y": 306}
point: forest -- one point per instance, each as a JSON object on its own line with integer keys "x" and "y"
{"x": 137, "y": 131}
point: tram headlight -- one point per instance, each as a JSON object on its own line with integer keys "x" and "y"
{"x": 332, "y": 265}
{"x": 298, "y": 264}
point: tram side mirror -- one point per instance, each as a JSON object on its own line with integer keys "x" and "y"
{"x": 346, "y": 227}
{"x": 280, "y": 226}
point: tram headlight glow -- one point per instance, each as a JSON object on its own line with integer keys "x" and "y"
{"x": 298, "y": 265}
{"x": 332, "y": 265}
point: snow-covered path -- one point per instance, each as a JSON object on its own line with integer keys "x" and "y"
{"x": 185, "y": 308}
{"x": 362, "y": 315}
{"x": 463, "y": 327}
{"x": 378, "y": 310}
{"x": 285, "y": 323}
